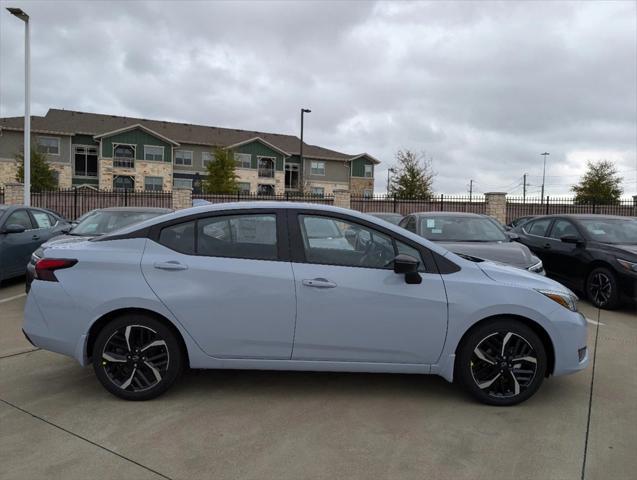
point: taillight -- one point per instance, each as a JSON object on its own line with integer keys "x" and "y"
{"x": 45, "y": 267}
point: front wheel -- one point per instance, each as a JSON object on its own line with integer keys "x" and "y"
{"x": 137, "y": 357}
{"x": 601, "y": 288}
{"x": 501, "y": 363}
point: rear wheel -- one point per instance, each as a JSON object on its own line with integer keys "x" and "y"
{"x": 501, "y": 363}
{"x": 136, "y": 357}
{"x": 601, "y": 288}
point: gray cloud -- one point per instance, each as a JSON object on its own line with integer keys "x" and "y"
{"x": 482, "y": 87}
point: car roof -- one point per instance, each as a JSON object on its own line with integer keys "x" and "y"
{"x": 583, "y": 216}
{"x": 135, "y": 209}
{"x": 384, "y": 213}
{"x": 447, "y": 214}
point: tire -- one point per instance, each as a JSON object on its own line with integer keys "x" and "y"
{"x": 601, "y": 288}
{"x": 137, "y": 357}
{"x": 496, "y": 380}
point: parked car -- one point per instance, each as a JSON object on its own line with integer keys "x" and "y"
{"x": 245, "y": 286}
{"x": 93, "y": 224}
{"x": 23, "y": 230}
{"x": 475, "y": 235}
{"x": 593, "y": 254}
{"x": 519, "y": 221}
{"x": 394, "y": 218}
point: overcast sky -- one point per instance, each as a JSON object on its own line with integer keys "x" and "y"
{"x": 482, "y": 88}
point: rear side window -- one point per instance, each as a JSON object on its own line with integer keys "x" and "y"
{"x": 537, "y": 227}
{"x": 240, "y": 236}
{"x": 42, "y": 219}
{"x": 180, "y": 237}
{"x": 20, "y": 217}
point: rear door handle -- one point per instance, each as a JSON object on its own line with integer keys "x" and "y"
{"x": 35, "y": 237}
{"x": 170, "y": 265}
{"x": 547, "y": 246}
{"x": 318, "y": 283}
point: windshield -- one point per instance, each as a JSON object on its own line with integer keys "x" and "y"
{"x": 611, "y": 230}
{"x": 461, "y": 229}
{"x": 105, "y": 221}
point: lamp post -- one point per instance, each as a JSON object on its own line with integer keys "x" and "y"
{"x": 389, "y": 172}
{"x": 545, "y": 154}
{"x": 303, "y": 112}
{"x": 18, "y": 12}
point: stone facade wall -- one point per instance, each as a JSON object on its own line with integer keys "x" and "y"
{"x": 359, "y": 185}
{"x": 65, "y": 174}
{"x": 342, "y": 198}
{"x": 496, "y": 205}
{"x": 8, "y": 170}
{"x": 142, "y": 169}
{"x": 14, "y": 193}
{"x": 252, "y": 177}
{"x": 182, "y": 198}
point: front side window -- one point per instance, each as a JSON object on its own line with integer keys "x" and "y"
{"x": 333, "y": 241}
{"x": 317, "y": 168}
{"x": 183, "y": 157}
{"x": 369, "y": 170}
{"x": 537, "y": 227}
{"x": 562, "y": 228}
{"x": 19, "y": 217}
{"x": 238, "y": 236}
{"x": 243, "y": 160}
{"x": 49, "y": 145}
{"x": 154, "y": 184}
{"x": 206, "y": 158}
{"x": 154, "y": 153}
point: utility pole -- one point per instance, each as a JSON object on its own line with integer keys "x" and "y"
{"x": 389, "y": 172}
{"x": 545, "y": 154}
{"x": 470, "y": 190}
{"x": 524, "y": 188}
{"x": 302, "y": 179}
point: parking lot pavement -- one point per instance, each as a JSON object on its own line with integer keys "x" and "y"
{"x": 56, "y": 421}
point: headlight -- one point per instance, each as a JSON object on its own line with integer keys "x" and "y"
{"x": 536, "y": 267}
{"x": 630, "y": 266}
{"x": 567, "y": 300}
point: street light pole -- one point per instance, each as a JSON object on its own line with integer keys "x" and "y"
{"x": 389, "y": 172}
{"x": 18, "y": 12}
{"x": 545, "y": 154}
{"x": 303, "y": 111}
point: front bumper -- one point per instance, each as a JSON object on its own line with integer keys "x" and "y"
{"x": 570, "y": 338}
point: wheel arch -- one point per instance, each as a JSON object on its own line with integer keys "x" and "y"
{"x": 598, "y": 264}
{"x": 102, "y": 321}
{"x": 532, "y": 324}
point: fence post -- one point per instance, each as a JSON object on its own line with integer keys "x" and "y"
{"x": 14, "y": 193}
{"x": 181, "y": 198}
{"x": 594, "y": 207}
{"x": 635, "y": 205}
{"x": 75, "y": 215}
{"x": 442, "y": 202}
{"x": 342, "y": 198}
{"x": 547, "y": 205}
{"x": 238, "y": 195}
{"x": 496, "y": 205}
{"x": 395, "y": 201}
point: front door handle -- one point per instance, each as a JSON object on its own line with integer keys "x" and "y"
{"x": 318, "y": 283}
{"x": 35, "y": 237}
{"x": 170, "y": 265}
{"x": 547, "y": 246}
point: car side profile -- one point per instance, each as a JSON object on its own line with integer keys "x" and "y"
{"x": 289, "y": 286}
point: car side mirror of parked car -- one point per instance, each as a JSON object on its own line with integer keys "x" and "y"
{"x": 13, "y": 228}
{"x": 407, "y": 265}
{"x": 572, "y": 239}
{"x": 512, "y": 236}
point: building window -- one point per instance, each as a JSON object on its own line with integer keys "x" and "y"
{"x": 243, "y": 160}
{"x": 317, "y": 191}
{"x": 183, "y": 157}
{"x": 318, "y": 168}
{"x": 85, "y": 161}
{"x": 264, "y": 189}
{"x": 207, "y": 158}
{"x": 369, "y": 170}
{"x": 266, "y": 167}
{"x": 154, "y": 184}
{"x": 292, "y": 176}
{"x": 182, "y": 183}
{"x": 368, "y": 193}
{"x": 153, "y": 153}
{"x": 123, "y": 183}
{"x": 244, "y": 187}
{"x": 124, "y": 156}
{"x": 49, "y": 145}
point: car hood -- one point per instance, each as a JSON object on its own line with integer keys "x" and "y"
{"x": 518, "y": 277}
{"x": 510, "y": 253}
{"x": 621, "y": 248}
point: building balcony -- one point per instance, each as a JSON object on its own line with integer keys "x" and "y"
{"x": 124, "y": 162}
{"x": 266, "y": 172}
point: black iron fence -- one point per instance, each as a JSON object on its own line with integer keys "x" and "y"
{"x": 1, "y": 195}
{"x": 249, "y": 197}
{"x": 440, "y": 203}
{"x": 520, "y": 207}
{"x": 73, "y": 202}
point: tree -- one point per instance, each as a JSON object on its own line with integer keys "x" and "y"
{"x": 414, "y": 176}
{"x": 221, "y": 175}
{"x": 600, "y": 184}
{"x": 42, "y": 175}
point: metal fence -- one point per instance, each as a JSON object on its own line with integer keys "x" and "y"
{"x": 519, "y": 207}
{"x": 73, "y": 202}
{"x": 440, "y": 203}
{"x": 249, "y": 197}
{"x": 1, "y": 195}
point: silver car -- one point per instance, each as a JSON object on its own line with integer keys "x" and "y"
{"x": 289, "y": 286}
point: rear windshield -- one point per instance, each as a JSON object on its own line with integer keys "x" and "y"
{"x": 461, "y": 229}
{"x": 101, "y": 222}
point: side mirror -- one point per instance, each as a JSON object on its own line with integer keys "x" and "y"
{"x": 407, "y": 265}
{"x": 14, "y": 228}
{"x": 571, "y": 239}
{"x": 512, "y": 236}
{"x": 508, "y": 227}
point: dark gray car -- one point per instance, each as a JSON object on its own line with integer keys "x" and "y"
{"x": 22, "y": 231}
{"x": 474, "y": 235}
{"x": 95, "y": 223}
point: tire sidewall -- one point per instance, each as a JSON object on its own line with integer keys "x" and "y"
{"x": 465, "y": 351}
{"x": 175, "y": 365}
{"x": 613, "y": 301}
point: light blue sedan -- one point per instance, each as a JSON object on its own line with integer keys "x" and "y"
{"x": 289, "y": 286}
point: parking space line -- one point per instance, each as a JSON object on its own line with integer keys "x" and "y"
{"x": 84, "y": 438}
{"x": 15, "y": 297}
{"x": 590, "y": 398}
{"x": 19, "y": 353}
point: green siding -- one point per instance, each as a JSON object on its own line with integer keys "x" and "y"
{"x": 136, "y": 137}
{"x": 293, "y": 159}
{"x": 257, "y": 148}
{"x": 358, "y": 167}
{"x": 83, "y": 140}
{"x": 85, "y": 181}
